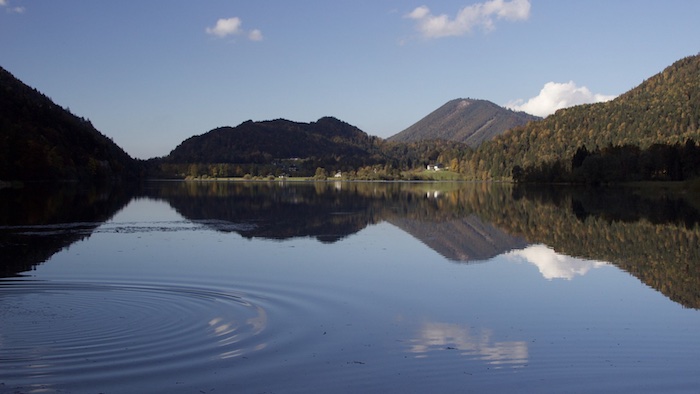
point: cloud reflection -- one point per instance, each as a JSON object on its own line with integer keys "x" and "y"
{"x": 434, "y": 336}
{"x": 553, "y": 265}
{"x": 231, "y": 333}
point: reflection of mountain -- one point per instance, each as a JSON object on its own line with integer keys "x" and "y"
{"x": 330, "y": 212}
{"x": 272, "y": 211}
{"x": 36, "y": 222}
{"x": 461, "y": 239}
{"x": 663, "y": 251}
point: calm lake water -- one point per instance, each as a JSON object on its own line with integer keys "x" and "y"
{"x": 178, "y": 287}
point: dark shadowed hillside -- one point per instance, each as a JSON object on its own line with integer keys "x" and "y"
{"x": 464, "y": 120}
{"x": 39, "y": 140}
{"x": 259, "y": 142}
{"x": 323, "y": 143}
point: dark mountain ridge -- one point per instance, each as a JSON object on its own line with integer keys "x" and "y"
{"x": 260, "y": 142}
{"x": 39, "y": 140}
{"x": 464, "y": 120}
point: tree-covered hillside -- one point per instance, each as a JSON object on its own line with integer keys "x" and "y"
{"x": 273, "y": 147}
{"x": 665, "y": 109}
{"x": 260, "y": 142}
{"x": 39, "y": 140}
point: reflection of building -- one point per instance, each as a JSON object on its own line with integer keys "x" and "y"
{"x": 433, "y": 194}
{"x": 434, "y": 337}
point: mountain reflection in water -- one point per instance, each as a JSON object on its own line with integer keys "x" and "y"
{"x": 655, "y": 239}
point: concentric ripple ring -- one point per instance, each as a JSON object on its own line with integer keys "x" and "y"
{"x": 63, "y": 332}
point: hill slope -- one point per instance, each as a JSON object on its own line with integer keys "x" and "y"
{"x": 464, "y": 120}
{"x": 39, "y": 140}
{"x": 323, "y": 143}
{"x": 260, "y": 142}
{"x": 664, "y": 109}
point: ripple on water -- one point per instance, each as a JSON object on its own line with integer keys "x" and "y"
{"x": 63, "y": 333}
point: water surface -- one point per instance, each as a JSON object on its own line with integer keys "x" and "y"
{"x": 347, "y": 287}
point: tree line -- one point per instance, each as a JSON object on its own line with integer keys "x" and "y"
{"x": 618, "y": 163}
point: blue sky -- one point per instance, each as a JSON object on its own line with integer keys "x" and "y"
{"x": 150, "y": 74}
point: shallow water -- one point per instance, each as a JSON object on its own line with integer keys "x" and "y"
{"x": 186, "y": 288}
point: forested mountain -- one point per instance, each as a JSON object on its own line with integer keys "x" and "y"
{"x": 464, "y": 120}
{"x": 39, "y": 140}
{"x": 260, "y": 142}
{"x": 662, "y": 111}
{"x": 277, "y": 145}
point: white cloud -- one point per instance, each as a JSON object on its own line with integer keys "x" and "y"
{"x": 554, "y": 96}
{"x": 225, "y": 27}
{"x": 232, "y": 26}
{"x": 14, "y": 10}
{"x": 419, "y": 13}
{"x": 255, "y": 35}
{"x": 476, "y": 15}
{"x": 553, "y": 265}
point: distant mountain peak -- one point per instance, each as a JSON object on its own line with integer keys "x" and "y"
{"x": 464, "y": 103}
{"x": 466, "y": 120}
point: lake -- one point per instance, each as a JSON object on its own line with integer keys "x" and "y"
{"x": 284, "y": 287}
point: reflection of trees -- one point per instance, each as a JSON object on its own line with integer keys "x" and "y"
{"x": 51, "y": 218}
{"x": 662, "y": 250}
